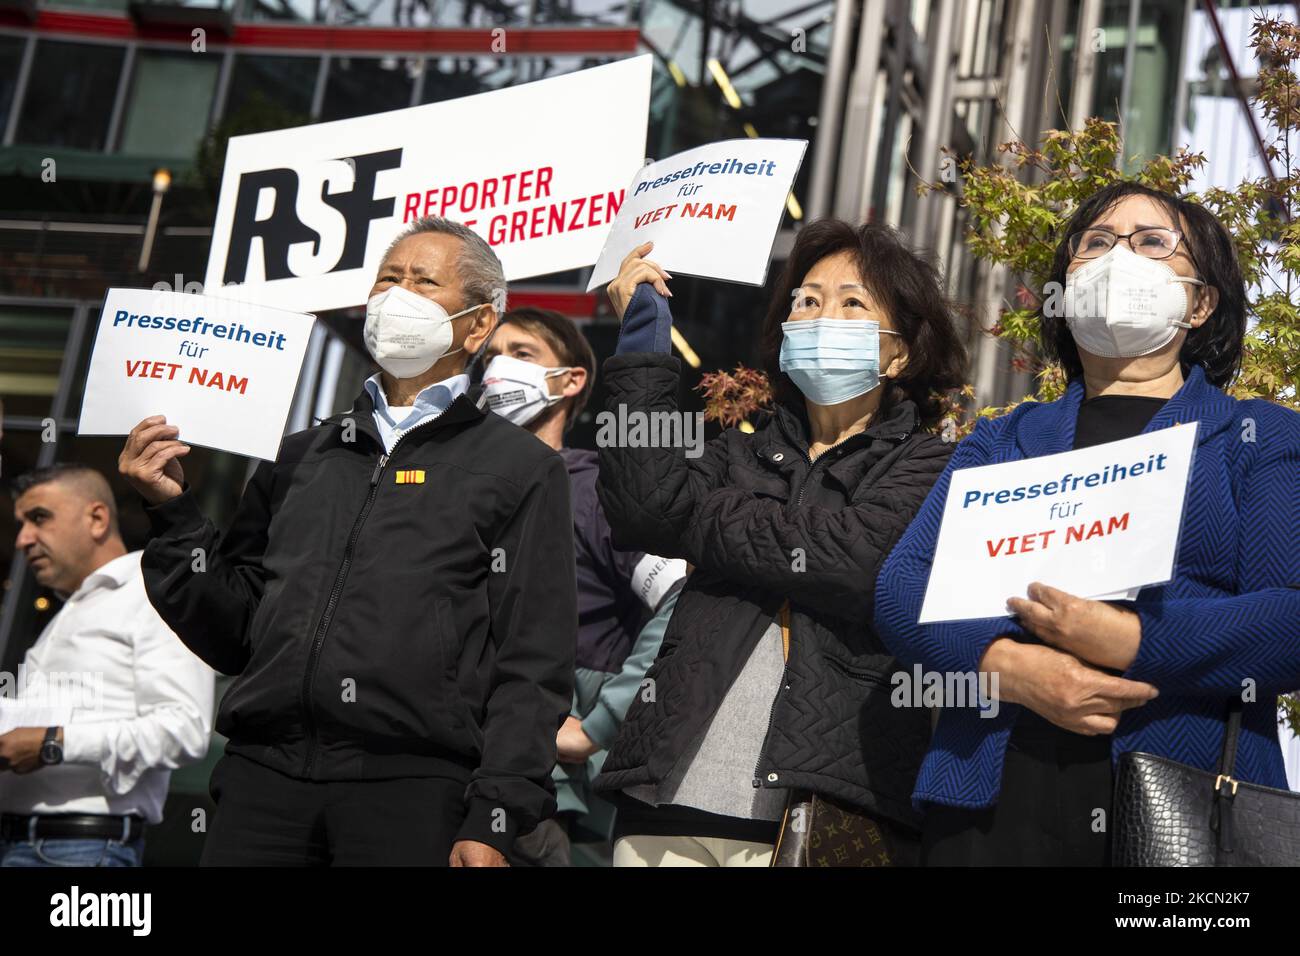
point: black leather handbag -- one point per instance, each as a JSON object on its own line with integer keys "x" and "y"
{"x": 1169, "y": 814}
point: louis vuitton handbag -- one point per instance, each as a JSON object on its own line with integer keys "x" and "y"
{"x": 818, "y": 831}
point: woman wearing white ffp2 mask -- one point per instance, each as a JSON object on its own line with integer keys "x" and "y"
{"x": 1093, "y": 680}
{"x": 1132, "y": 287}
{"x": 1121, "y": 303}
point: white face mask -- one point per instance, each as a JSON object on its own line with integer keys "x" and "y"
{"x": 517, "y": 390}
{"x": 406, "y": 333}
{"x": 1122, "y": 305}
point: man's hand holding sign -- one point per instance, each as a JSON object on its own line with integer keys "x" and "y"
{"x": 150, "y": 460}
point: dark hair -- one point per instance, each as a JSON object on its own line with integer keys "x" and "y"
{"x": 1217, "y": 345}
{"x": 56, "y": 472}
{"x": 89, "y": 481}
{"x": 562, "y": 335}
{"x": 906, "y": 284}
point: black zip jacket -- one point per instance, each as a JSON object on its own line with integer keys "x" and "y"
{"x": 763, "y": 525}
{"x": 397, "y": 615}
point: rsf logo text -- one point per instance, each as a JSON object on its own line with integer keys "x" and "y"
{"x": 307, "y": 221}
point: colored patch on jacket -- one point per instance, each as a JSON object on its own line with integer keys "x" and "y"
{"x": 409, "y": 476}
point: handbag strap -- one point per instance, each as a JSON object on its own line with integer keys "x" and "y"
{"x": 1228, "y": 759}
{"x": 1225, "y": 787}
{"x": 785, "y": 629}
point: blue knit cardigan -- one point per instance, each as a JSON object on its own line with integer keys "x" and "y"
{"x": 1230, "y": 615}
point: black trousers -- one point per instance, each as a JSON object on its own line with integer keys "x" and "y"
{"x": 265, "y": 818}
{"x": 1054, "y": 807}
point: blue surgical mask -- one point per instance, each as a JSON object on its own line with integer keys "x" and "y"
{"x": 832, "y": 360}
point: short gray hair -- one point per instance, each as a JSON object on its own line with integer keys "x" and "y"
{"x": 481, "y": 275}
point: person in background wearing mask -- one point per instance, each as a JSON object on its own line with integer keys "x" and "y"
{"x": 1151, "y": 331}
{"x": 134, "y": 704}
{"x": 771, "y": 679}
{"x": 395, "y": 594}
{"x": 539, "y": 374}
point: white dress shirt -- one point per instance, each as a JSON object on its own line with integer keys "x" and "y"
{"x": 394, "y": 421}
{"x": 144, "y": 706}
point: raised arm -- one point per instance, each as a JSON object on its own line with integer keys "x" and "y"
{"x": 206, "y": 587}
{"x": 649, "y": 493}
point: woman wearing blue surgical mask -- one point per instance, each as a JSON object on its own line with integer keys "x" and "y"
{"x": 771, "y": 687}
{"x": 1145, "y": 311}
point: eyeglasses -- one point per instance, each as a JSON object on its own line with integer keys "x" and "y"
{"x": 1156, "y": 243}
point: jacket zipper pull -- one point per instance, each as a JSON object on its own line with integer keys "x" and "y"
{"x": 379, "y": 466}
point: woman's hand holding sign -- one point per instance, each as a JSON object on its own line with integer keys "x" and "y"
{"x": 149, "y": 461}
{"x": 1060, "y": 688}
{"x": 635, "y": 270}
{"x": 1094, "y": 631}
{"x": 1063, "y": 682}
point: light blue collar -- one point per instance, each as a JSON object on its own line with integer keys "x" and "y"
{"x": 432, "y": 400}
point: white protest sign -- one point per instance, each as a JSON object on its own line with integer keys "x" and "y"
{"x": 1097, "y": 522}
{"x": 712, "y": 211}
{"x": 222, "y": 371}
{"x": 538, "y": 170}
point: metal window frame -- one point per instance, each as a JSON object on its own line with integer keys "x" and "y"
{"x": 25, "y": 70}
{"x": 20, "y": 89}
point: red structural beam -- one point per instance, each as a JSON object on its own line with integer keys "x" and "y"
{"x": 587, "y": 40}
{"x": 576, "y": 305}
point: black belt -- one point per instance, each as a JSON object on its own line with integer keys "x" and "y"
{"x": 74, "y": 826}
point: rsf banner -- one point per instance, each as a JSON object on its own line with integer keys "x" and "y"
{"x": 538, "y": 170}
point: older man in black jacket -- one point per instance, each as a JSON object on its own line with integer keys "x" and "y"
{"x": 395, "y": 594}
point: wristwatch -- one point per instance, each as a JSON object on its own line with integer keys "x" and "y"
{"x": 51, "y": 749}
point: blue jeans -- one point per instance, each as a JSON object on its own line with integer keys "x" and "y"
{"x": 67, "y": 852}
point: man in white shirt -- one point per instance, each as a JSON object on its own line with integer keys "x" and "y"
{"x": 119, "y": 701}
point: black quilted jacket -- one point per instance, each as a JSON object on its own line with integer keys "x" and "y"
{"x": 762, "y": 525}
